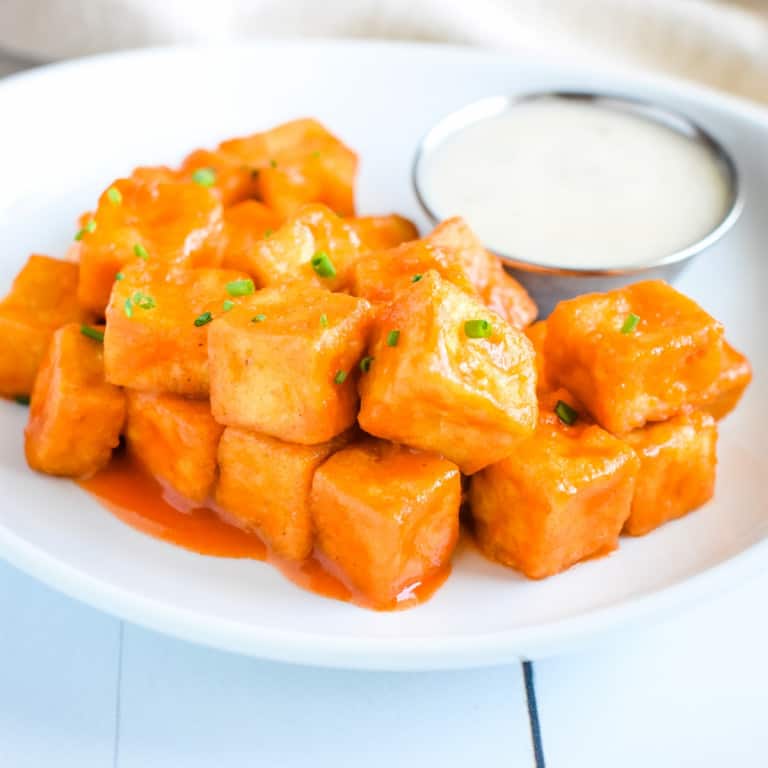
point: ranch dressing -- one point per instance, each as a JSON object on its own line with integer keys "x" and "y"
{"x": 571, "y": 184}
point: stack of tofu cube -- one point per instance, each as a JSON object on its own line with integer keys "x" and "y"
{"x": 329, "y": 382}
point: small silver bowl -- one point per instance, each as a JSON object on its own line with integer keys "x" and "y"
{"x": 550, "y": 284}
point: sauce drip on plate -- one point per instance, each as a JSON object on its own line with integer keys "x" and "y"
{"x": 137, "y": 499}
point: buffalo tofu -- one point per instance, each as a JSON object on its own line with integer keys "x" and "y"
{"x": 723, "y": 395}
{"x": 498, "y": 290}
{"x": 677, "y": 469}
{"x": 264, "y": 484}
{"x": 176, "y": 224}
{"x": 176, "y": 440}
{"x": 75, "y": 417}
{"x": 561, "y": 496}
{"x": 285, "y": 363}
{"x": 378, "y": 233}
{"x": 42, "y": 298}
{"x": 314, "y": 246}
{"x": 633, "y": 355}
{"x": 157, "y": 326}
{"x": 448, "y": 375}
{"x": 296, "y": 163}
{"x": 386, "y": 518}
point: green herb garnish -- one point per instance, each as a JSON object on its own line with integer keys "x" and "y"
{"x": 565, "y": 413}
{"x": 630, "y": 324}
{"x": 243, "y": 287}
{"x": 322, "y": 264}
{"x": 324, "y": 320}
{"x": 205, "y": 177}
{"x": 392, "y": 338}
{"x": 365, "y": 364}
{"x": 119, "y": 276}
{"x": 140, "y": 251}
{"x": 203, "y": 319}
{"x": 228, "y": 305}
{"x": 258, "y": 318}
{"x": 92, "y": 333}
{"x": 416, "y": 278}
{"x": 273, "y": 163}
{"x": 89, "y": 227}
{"x": 114, "y": 195}
{"x": 340, "y": 377}
{"x": 478, "y": 329}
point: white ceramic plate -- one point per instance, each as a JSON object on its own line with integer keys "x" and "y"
{"x": 68, "y": 130}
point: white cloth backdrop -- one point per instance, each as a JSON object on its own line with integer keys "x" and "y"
{"x": 723, "y": 43}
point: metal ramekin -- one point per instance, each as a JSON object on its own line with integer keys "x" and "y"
{"x": 550, "y": 284}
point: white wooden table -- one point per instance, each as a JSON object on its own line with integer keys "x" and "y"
{"x": 80, "y": 689}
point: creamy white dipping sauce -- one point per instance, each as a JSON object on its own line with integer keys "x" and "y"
{"x": 566, "y": 183}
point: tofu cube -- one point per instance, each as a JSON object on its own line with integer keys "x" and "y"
{"x": 42, "y": 298}
{"x": 245, "y": 226}
{"x": 75, "y": 417}
{"x": 171, "y": 223}
{"x": 153, "y": 342}
{"x": 633, "y": 355}
{"x": 299, "y": 162}
{"x": 379, "y": 233}
{"x": 264, "y": 484}
{"x": 433, "y": 385}
{"x": 287, "y": 254}
{"x": 677, "y": 470}
{"x": 560, "y": 497}
{"x": 723, "y": 395}
{"x": 498, "y": 290}
{"x": 386, "y": 518}
{"x": 286, "y": 363}
{"x": 176, "y": 440}
{"x": 380, "y": 277}
{"x": 231, "y": 179}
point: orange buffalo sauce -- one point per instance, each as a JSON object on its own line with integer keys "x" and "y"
{"x": 139, "y": 500}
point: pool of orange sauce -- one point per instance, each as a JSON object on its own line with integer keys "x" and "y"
{"x": 139, "y": 500}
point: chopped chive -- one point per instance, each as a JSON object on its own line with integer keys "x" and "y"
{"x": 630, "y": 323}
{"x": 478, "y": 329}
{"x": 324, "y": 320}
{"x": 89, "y": 227}
{"x": 142, "y": 301}
{"x": 416, "y": 278}
{"x": 119, "y": 276}
{"x": 203, "y": 319}
{"x": 340, "y": 377}
{"x": 392, "y": 338}
{"x": 243, "y": 287}
{"x": 322, "y": 264}
{"x": 365, "y": 364}
{"x": 140, "y": 251}
{"x": 22, "y": 399}
{"x": 258, "y": 318}
{"x": 114, "y": 195}
{"x": 128, "y": 308}
{"x": 315, "y": 154}
{"x": 227, "y": 305}
{"x": 267, "y": 233}
{"x": 565, "y": 413}
{"x": 273, "y": 163}
{"x": 205, "y": 177}
{"x": 92, "y": 333}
